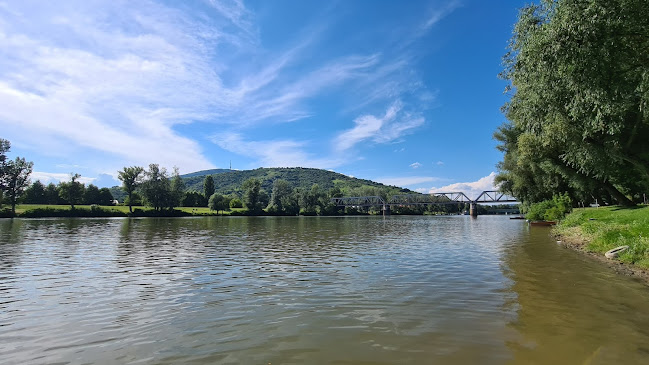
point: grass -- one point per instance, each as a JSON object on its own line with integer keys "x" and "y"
{"x": 22, "y": 208}
{"x": 604, "y": 228}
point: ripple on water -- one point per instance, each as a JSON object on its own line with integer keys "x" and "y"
{"x": 299, "y": 290}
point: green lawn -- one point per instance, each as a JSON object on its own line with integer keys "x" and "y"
{"x": 605, "y": 228}
{"x": 21, "y": 208}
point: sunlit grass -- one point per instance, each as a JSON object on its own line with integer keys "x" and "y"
{"x": 21, "y": 208}
{"x": 605, "y": 228}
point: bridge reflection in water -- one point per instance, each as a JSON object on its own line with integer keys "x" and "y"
{"x": 488, "y": 196}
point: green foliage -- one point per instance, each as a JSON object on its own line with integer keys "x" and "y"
{"x": 208, "y": 186}
{"x": 283, "y": 200}
{"x": 131, "y": 179}
{"x": 550, "y": 210}
{"x": 35, "y": 193}
{"x": 193, "y": 199}
{"x": 236, "y": 203}
{"x": 218, "y": 202}
{"x": 14, "y": 176}
{"x": 251, "y": 194}
{"x": 177, "y": 190}
{"x": 52, "y": 195}
{"x": 579, "y": 112}
{"x": 156, "y": 188}
{"x": 91, "y": 195}
{"x": 72, "y": 191}
{"x": 228, "y": 182}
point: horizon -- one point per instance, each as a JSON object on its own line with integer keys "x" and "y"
{"x": 401, "y": 94}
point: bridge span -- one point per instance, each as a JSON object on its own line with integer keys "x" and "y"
{"x": 488, "y": 196}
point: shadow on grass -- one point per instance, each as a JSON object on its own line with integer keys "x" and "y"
{"x": 635, "y": 207}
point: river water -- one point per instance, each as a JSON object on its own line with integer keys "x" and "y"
{"x": 310, "y": 290}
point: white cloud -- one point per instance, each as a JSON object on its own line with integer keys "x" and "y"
{"x": 383, "y": 129}
{"x": 439, "y": 163}
{"x": 113, "y": 83}
{"x": 470, "y": 189}
{"x": 56, "y": 177}
{"x": 416, "y": 165}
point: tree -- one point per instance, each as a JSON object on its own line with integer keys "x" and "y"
{"x": 52, "y": 194}
{"x": 156, "y": 188}
{"x": 71, "y": 191}
{"x": 283, "y": 199}
{"x": 579, "y": 111}
{"x": 177, "y": 189}
{"x": 131, "y": 179}
{"x": 251, "y": 190}
{"x": 16, "y": 179}
{"x": 208, "y": 186}
{"x": 91, "y": 195}
{"x": 35, "y": 193}
{"x": 218, "y": 202}
{"x": 236, "y": 203}
{"x": 5, "y": 146}
{"x": 105, "y": 197}
{"x": 311, "y": 200}
{"x": 193, "y": 199}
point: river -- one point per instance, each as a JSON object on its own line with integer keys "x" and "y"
{"x": 310, "y": 290}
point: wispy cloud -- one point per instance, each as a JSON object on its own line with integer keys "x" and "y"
{"x": 438, "y": 14}
{"x": 387, "y": 128}
{"x": 117, "y": 82}
{"x": 415, "y": 165}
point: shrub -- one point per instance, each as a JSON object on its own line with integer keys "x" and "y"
{"x": 550, "y": 210}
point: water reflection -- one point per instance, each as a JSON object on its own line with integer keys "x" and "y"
{"x": 571, "y": 310}
{"x": 308, "y": 290}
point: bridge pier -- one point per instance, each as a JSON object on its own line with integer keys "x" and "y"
{"x": 386, "y": 210}
{"x": 473, "y": 209}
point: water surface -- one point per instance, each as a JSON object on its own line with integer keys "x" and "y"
{"x": 316, "y": 290}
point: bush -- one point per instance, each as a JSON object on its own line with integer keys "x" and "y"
{"x": 94, "y": 211}
{"x": 236, "y": 203}
{"x": 550, "y": 210}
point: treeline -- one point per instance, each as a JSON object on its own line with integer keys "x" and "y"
{"x": 72, "y": 193}
{"x": 578, "y": 116}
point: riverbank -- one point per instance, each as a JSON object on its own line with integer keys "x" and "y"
{"x": 597, "y": 230}
{"x": 86, "y": 211}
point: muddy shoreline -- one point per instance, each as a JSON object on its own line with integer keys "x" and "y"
{"x": 580, "y": 245}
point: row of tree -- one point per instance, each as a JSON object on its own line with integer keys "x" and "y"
{"x": 70, "y": 192}
{"x": 579, "y": 108}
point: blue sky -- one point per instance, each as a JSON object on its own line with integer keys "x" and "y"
{"x": 401, "y": 92}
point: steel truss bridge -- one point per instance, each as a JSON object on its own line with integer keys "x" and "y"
{"x": 488, "y": 196}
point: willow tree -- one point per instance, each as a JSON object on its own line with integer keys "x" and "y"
{"x": 579, "y": 77}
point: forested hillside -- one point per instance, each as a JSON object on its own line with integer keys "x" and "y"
{"x": 230, "y": 182}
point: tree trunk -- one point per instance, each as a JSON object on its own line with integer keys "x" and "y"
{"x": 617, "y": 195}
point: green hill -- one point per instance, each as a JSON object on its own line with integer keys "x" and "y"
{"x": 230, "y": 181}
{"x": 205, "y": 172}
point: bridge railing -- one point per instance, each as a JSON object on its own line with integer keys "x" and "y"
{"x": 358, "y": 201}
{"x": 488, "y": 196}
{"x": 435, "y": 198}
{"x": 493, "y": 196}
